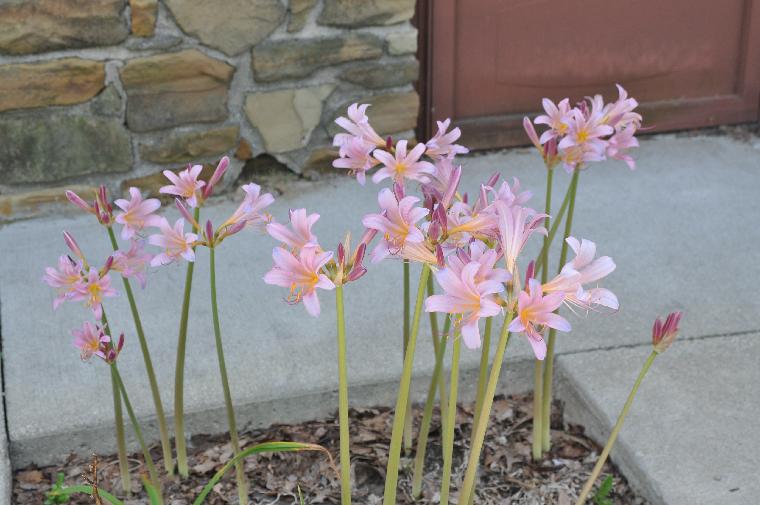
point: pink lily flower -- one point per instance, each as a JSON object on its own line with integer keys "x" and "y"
{"x": 464, "y": 224}
{"x": 466, "y": 296}
{"x": 299, "y": 235}
{"x": 250, "y": 212}
{"x": 185, "y": 185}
{"x": 92, "y": 288}
{"x": 396, "y": 223}
{"x": 138, "y": 213}
{"x": 301, "y": 274}
{"x": 516, "y": 225}
{"x": 91, "y": 341}
{"x": 511, "y": 195}
{"x": 535, "y": 312}
{"x": 356, "y": 156}
{"x": 557, "y": 118}
{"x": 620, "y": 142}
{"x": 403, "y": 165}
{"x": 174, "y": 243}
{"x": 63, "y": 279}
{"x": 485, "y": 257}
{"x": 442, "y": 144}
{"x": 584, "y": 269}
{"x": 133, "y": 263}
{"x": 663, "y": 334}
{"x": 620, "y": 114}
{"x": 357, "y": 125}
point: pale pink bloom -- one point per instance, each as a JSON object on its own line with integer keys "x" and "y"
{"x": 174, "y": 243}
{"x": 91, "y": 341}
{"x": 92, "y": 288}
{"x": 133, "y": 262}
{"x": 485, "y": 257}
{"x": 511, "y": 195}
{"x": 463, "y": 224}
{"x": 356, "y": 156}
{"x": 357, "y": 125}
{"x": 185, "y": 184}
{"x": 444, "y": 177}
{"x": 582, "y": 270}
{"x": 620, "y": 142}
{"x": 138, "y": 213}
{"x": 63, "y": 279}
{"x": 251, "y": 211}
{"x": 442, "y": 144}
{"x": 418, "y": 252}
{"x": 557, "y": 118}
{"x": 516, "y": 225}
{"x": 535, "y": 312}
{"x": 619, "y": 114}
{"x": 301, "y": 274}
{"x": 585, "y": 131}
{"x": 397, "y": 223}
{"x": 403, "y": 165}
{"x": 663, "y": 334}
{"x": 576, "y": 156}
{"x": 299, "y": 235}
{"x": 465, "y": 295}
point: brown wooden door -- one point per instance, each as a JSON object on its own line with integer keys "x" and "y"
{"x": 690, "y": 63}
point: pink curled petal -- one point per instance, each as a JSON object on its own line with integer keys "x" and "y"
{"x": 557, "y": 322}
{"x": 311, "y": 303}
{"x": 471, "y": 334}
{"x": 539, "y": 346}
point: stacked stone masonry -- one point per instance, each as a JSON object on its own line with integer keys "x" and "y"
{"x": 116, "y": 91}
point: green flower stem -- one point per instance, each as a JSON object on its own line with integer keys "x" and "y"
{"x": 345, "y": 446}
{"x": 556, "y": 221}
{"x": 468, "y": 485}
{"x": 121, "y": 444}
{"x": 613, "y": 436}
{"x": 179, "y": 370}
{"x": 408, "y": 427}
{"x": 538, "y": 377}
{"x": 482, "y": 380}
{"x": 138, "y": 432}
{"x": 394, "y": 452}
{"x": 239, "y": 470}
{"x": 546, "y": 409}
{"x": 157, "y": 403}
{"x": 436, "y": 380}
{"x": 448, "y": 449}
{"x": 443, "y": 398}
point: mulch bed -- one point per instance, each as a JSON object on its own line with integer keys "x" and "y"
{"x": 508, "y": 476}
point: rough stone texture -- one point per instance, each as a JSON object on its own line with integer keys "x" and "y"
{"x": 400, "y": 43}
{"x": 244, "y": 151}
{"x": 175, "y": 88}
{"x": 157, "y": 43}
{"x": 365, "y": 12}
{"x": 58, "y": 82}
{"x": 231, "y": 27}
{"x": 151, "y": 183}
{"x": 291, "y": 58}
{"x": 185, "y": 147}
{"x": 286, "y": 118}
{"x": 320, "y": 160}
{"x": 382, "y": 75}
{"x": 53, "y": 146}
{"x": 688, "y": 438}
{"x": 35, "y": 26}
{"x": 107, "y": 103}
{"x": 682, "y": 187}
{"x": 34, "y": 202}
{"x": 389, "y": 113}
{"x": 144, "y": 13}
{"x": 299, "y": 13}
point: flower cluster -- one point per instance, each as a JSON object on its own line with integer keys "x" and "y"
{"x": 92, "y": 340}
{"x": 590, "y": 131}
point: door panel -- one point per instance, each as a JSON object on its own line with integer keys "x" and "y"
{"x": 689, "y": 62}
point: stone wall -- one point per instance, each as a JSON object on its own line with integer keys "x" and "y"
{"x": 116, "y": 91}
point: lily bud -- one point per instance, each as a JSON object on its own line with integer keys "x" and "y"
{"x": 221, "y": 168}
{"x": 359, "y": 254}
{"x": 663, "y": 334}
{"x": 209, "y": 233}
{"x": 398, "y": 190}
{"x": 550, "y": 148}
{"x": 341, "y": 254}
{"x": 356, "y": 274}
{"x": 439, "y": 256}
{"x": 72, "y": 244}
{"x": 434, "y": 231}
{"x": 530, "y": 272}
{"x": 185, "y": 213}
{"x": 120, "y": 345}
{"x": 463, "y": 256}
{"x": 235, "y": 228}
{"x": 79, "y": 202}
{"x": 107, "y": 266}
{"x": 456, "y": 176}
{"x": 389, "y": 143}
{"x": 491, "y": 182}
{"x": 531, "y": 131}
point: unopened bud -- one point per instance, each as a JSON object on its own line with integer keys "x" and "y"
{"x": 185, "y": 213}
{"x": 359, "y": 254}
{"x": 221, "y": 168}
{"x": 356, "y": 273}
{"x": 120, "y": 345}
{"x": 530, "y": 272}
{"x": 72, "y": 244}
{"x": 451, "y": 190}
{"x": 79, "y": 202}
{"x": 491, "y": 182}
{"x": 107, "y": 266}
{"x": 398, "y": 190}
{"x": 389, "y": 143}
{"x": 341, "y": 254}
{"x": 434, "y": 231}
{"x": 663, "y": 334}
{"x": 439, "y": 255}
{"x": 210, "y": 233}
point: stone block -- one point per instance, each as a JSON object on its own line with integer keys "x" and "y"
{"x": 144, "y": 13}
{"x": 34, "y": 202}
{"x": 299, "y": 12}
{"x": 293, "y": 58}
{"x": 188, "y": 147}
{"x": 58, "y": 82}
{"x": 231, "y": 27}
{"x": 382, "y": 75}
{"x": 36, "y": 26}
{"x": 54, "y": 146}
{"x": 171, "y": 89}
{"x": 351, "y": 13}
{"x": 286, "y": 118}
{"x": 389, "y": 113}
{"x": 400, "y": 43}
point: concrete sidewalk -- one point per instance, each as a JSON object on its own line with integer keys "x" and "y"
{"x": 675, "y": 227}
